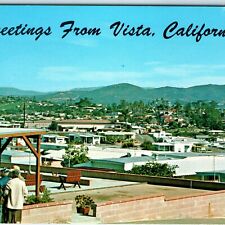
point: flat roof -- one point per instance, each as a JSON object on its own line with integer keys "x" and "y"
{"x": 84, "y": 134}
{"x": 133, "y": 159}
{"x": 16, "y": 153}
{"x": 212, "y": 172}
{"x": 191, "y": 154}
{"x": 104, "y": 190}
{"x": 18, "y": 132}
{"x": 77, "y": 121}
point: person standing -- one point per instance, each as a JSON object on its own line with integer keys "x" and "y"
{"x": 3, "y": 201}
{"x": 16, "y": 191}
{"x": 4, "y": 177}
{"x": 15, "y": 167}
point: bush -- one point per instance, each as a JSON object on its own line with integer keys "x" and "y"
{"x": 75, "y": 155}
{"x": 84, "y": 201}
{"x": 147, "y": 145}
{"x": 154, "y": 169}
{"x": 128, "y": 143}
{"x": 45, "y": 197}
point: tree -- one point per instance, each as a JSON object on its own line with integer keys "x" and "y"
{"x": 53, "y": 126}
{"x": 147, "y": 145}
{"x": 75, "y": 155}
{"x": 155, "y": 169}
{"x": 84, "y": 102}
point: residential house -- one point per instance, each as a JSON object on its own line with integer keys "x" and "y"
{"x": 85, "y": 138}
{"x": 53, "y": 142}
{"x": 122, "y": 134}
{"x": 75, "y": 125}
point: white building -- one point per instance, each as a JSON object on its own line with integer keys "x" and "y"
{"x": 53, "y": 142}
{"x": 74, "y": 125}
{"x": 121, "y": 134}
{"x": 85, "y": 138}
{"x": 187, "y": 163}
{"x": 181, "y": 144}
{"x": 160, "y": 134}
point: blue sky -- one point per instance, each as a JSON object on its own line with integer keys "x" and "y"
{"x": 53, "y": 63}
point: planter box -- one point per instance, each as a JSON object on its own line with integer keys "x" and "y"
{"x": 51, "y": 212}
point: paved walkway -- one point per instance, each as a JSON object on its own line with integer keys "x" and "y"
{"x": 81, "y": 219}
{"x": 95, "y": 183}
{"x": 186, "y": 221}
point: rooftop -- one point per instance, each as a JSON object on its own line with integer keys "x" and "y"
{"x": 103, "y": 190}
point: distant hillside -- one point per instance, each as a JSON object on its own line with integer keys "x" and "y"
{"x": 203, "y": 92}
{"x": 8, "y": 91}
{"x": 128, "y": 92}
{"x": 105, "y": 95}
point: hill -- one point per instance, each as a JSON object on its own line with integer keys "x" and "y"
{"x": 124, "y": 91}
{"x": 9, "y": 91}
{"x": 129, "y": 92}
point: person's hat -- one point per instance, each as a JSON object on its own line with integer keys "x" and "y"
{"x": 14, "y": 167}
{"x": 5, "y": 170}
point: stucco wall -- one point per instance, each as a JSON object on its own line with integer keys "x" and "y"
{"x": 207, "y": 205}
{"x": 53, "y": 212}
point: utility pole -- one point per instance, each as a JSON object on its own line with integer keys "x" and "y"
{"x": 24, "y": 114}
{"x": 214, "y": 167}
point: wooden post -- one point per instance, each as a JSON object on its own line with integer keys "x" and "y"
{"x": 38, "y": 165}
{"x": 0, "y": 151}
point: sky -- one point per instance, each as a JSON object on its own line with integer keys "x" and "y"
{"x": 53, "y": 63}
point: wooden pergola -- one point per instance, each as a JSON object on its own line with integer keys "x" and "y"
{"x": 25, "y": 134}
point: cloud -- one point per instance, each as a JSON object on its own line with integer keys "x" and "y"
{"x": 157, "y": 75}
{"x": 73, "y": 74}
{"x": 186, "y": 70}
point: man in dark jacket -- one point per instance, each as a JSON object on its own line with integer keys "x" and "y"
{"x": 3, "y": 181}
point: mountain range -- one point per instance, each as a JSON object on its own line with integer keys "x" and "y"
{"x": 125, "y": 91}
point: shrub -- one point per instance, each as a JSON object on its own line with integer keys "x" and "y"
{"x": 128, "y": 143}
{"x": 155, "y": 169}
{"x": 84, "y": 201}
{"x": 147, "y": 145}
{"x": 75, "y": 155}
{"x": 45, "y": 197}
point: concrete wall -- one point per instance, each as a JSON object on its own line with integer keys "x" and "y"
{"x": 52, "y": 212}
{"x": 157, "y": 207}
{"x": 177, "y": 182}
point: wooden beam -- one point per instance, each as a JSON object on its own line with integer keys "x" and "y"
{"x": 17, "y": 134}
{"x": 28, "y": 143}
{"x": 38, "y": 165}
{"x": 5, "y": 144}
{"x": 0, "y": 154}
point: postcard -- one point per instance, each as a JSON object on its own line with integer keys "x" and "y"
{"x": 129, "y": 104}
